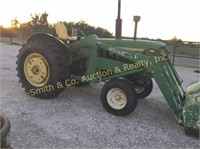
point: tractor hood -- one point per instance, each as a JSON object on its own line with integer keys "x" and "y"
{"x": 133, "y": 45}
{"x": 124, "y": 44}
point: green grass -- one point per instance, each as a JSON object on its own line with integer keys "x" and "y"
{"x": 186, "y": 50}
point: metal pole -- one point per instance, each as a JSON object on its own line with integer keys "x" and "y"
{"x": 119, "y": 9}
{"x": 174, "y": 52}
{"x": 135, "y": 32}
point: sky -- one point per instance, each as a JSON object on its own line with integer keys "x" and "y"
{"x": 162, "y": 19}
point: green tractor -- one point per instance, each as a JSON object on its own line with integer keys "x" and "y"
{"x": 48, "y": 64}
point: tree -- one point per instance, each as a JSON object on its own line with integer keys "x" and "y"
{"x": 174, "y": 38}
{"x": 87, "y": 29}
{"x": 177, "y": 41}
{"x": 15, "y": 23}
{"x": 39, "y": 23}
{"x": 102, "y": 33}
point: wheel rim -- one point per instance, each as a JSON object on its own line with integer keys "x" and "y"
{"x": 139, "y": 89}
{"x": 116, "y": 98}
{"x": 36, "y": 69}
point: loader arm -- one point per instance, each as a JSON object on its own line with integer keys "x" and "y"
{"x": 169, "y": 83}
{"x": 184, "y": 105}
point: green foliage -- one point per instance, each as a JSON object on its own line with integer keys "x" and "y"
{"x": 39, "y": 23}
{"x": 82, "y": 25}
{"x": 174, "y": 38}
{"x": 181, "y": 48}
{"x": 15, "y": 23}
{"x": 102, "y": 33}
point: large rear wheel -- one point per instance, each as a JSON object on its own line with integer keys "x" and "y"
{"x": 42, "y": 68}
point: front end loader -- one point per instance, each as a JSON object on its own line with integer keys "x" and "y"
{"x": 48, "y": 64}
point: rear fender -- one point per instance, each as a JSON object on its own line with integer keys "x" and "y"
{"x": 51, "y": 38}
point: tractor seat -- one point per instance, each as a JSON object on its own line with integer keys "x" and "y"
{"x": 62, "y": 33}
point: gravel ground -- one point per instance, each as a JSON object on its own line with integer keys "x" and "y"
{"x": 76, "y": 118}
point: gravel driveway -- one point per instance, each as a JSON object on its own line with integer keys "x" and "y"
{"x": 76, "y": 118}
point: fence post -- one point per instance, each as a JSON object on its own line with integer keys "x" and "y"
{"x": 174, "y": 51}
{"x": 11, "y": 40}
{"x": 23, "y": 38}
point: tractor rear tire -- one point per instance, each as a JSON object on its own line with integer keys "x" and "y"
{"x": 118, "y": 98}
{"x": 42, "y": 68}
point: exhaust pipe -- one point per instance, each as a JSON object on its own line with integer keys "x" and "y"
{"x": 118, "y": 27}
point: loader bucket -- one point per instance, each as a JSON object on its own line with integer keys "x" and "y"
{"x": 191, "y": 109}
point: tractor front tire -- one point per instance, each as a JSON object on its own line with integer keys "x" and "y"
{"x": 82, "y": 84}
{"x": 192, "y": 132}
{"x": 42, "y": 68}
{"x": 118, "y": 98}
{"x": 145, "y": 91}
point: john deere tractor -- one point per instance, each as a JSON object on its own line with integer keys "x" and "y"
{"x": 48, "y": 64}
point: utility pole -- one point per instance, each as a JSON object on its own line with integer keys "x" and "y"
{"x": 118, "y": 27}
